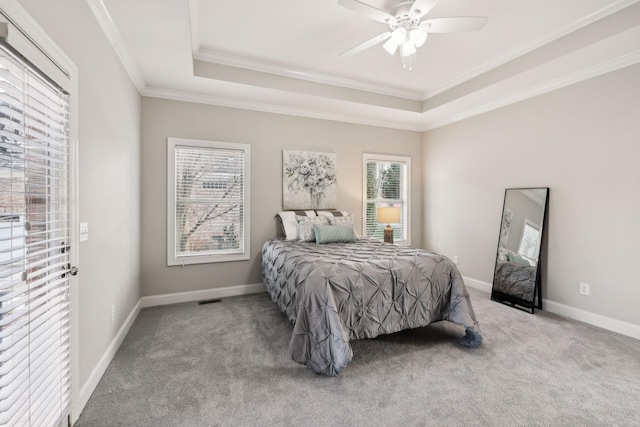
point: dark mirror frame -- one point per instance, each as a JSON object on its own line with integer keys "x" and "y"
{"x": 512, "y": 300}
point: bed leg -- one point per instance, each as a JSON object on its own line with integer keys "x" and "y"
{"x": 471, "y": 339}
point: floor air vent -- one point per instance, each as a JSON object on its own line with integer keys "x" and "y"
{"x": 209, "y": 301}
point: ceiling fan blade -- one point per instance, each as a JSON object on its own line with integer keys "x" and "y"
{"x": 366, "y": 45}
{"x": 368, "y": 11}
{"x": 454, "y": 24}
{"x": 422, "y": 7}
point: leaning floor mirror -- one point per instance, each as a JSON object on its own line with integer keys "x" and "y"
{"x": 516, "y": 278}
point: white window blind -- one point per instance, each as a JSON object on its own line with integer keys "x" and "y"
{"x": 386, "y": 184}
{"x": 34, "y": 241}
{"x": 530, "y": 241}
{"x": 208, "y": 194}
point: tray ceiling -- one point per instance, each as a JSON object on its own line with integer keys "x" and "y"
{"x": 284, "y": 56}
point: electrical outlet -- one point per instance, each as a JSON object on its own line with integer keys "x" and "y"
{"x": 84, "y": 231}
{"x": 113, "y": 313}
{"x": 456, "y": 260}
{"x": 584, "y": 288}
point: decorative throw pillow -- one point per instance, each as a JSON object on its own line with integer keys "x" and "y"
{"x": 517, "y": 259}
{"x": 341, "y": 220}
{"x": 290, "y": 223}
{"x": 334, "y": 233}
{"x": 347, "y": 219}
{"x": 305, "y": 227}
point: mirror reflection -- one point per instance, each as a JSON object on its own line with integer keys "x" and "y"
{"x": 516, "y": 278}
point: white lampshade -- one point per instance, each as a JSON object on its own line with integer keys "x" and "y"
{"x": 399, "y": 35}
{"x": 407, "y": 48}
{"x": 389, "y": 215}
{"x": 390, "y": 46}
{"x": 418, "y": 36}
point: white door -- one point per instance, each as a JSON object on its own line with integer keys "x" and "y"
{"x": 35, "y": 386}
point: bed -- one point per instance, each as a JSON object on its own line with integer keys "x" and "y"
{"x": 515, "y": 279}
{"x": 337, "y": 292}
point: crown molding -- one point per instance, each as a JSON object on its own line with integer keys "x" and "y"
{"x": 272, "y": 68}
{"x": 529, "y": 47}
{"x": 566, "y": 80}
{"x": 110, "y": 30}
{"x": 193, "y": 25}
{"x": 421, "y": 125}
{"x": 200, "y": 98}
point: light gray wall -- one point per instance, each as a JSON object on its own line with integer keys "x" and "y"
{"x": 268, "y": 134}
{"x": 109, "y": 174}
{"x": 582, "y": 141}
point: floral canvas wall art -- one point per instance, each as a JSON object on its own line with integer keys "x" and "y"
{"x": 507, "y": 218}
{"x": 309, "y": 180}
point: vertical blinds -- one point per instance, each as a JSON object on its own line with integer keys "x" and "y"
{"x": 34, "y": 243}
{"x": 386, "y": 186}
{"x": 209, "y": 201}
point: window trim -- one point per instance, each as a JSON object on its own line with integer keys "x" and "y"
{"x": 367, "y": 157}
{"x": 172, "y": 258}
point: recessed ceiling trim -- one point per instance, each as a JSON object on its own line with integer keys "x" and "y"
{"x": 115, "y": 39}
{"x": 265, "y": 67}
{"x": 421, "y": 122}
{"x": 243, "y": 76}
{"x": 193, "y": 25}
{"x": 578, "y": 76}
{"x": 529, "y": 47}
{"x": 176, "y": 95}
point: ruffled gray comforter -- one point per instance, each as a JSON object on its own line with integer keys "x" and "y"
{"x": 338, "y": 292}
{"x": 515, "y": 279}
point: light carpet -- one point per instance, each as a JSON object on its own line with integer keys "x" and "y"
{"x": 228, "y": 364}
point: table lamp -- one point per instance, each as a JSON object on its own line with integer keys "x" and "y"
{"x": 388, "y": 215}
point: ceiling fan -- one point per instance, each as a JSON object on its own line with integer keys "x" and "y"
{"x": 407, "y": 31}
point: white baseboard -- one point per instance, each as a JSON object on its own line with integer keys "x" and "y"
{"x": 98, "y": 371}
{"x": 477, "y": 284}
{"x": 180, "y": 297}
{"x": 151, "y": 301}
{"x": 604, "y": 322}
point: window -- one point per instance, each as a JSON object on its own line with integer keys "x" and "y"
{"x": 530, "y": 240}
{"x": 386, "y": 183}
{"x": 208, "y": 201}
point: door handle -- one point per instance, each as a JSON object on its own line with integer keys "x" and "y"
{"x": 72, "y": 271}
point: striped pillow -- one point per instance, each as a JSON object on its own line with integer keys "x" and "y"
{"x": 289, "y": 223}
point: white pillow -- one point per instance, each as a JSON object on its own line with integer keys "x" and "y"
{"x": 290, "y": 224}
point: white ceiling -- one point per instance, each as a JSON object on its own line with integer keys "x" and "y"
{"x": 284, "y": 56}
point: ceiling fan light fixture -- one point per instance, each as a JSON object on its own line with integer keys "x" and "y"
{"x": 418, "y": 36}
{"x": 409, "y": 61}
{"x": 399, "y": 35}
{"x": 407, "y": 29}
{"x": 390, "y": 46}
{"x": 407, "y": 49}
